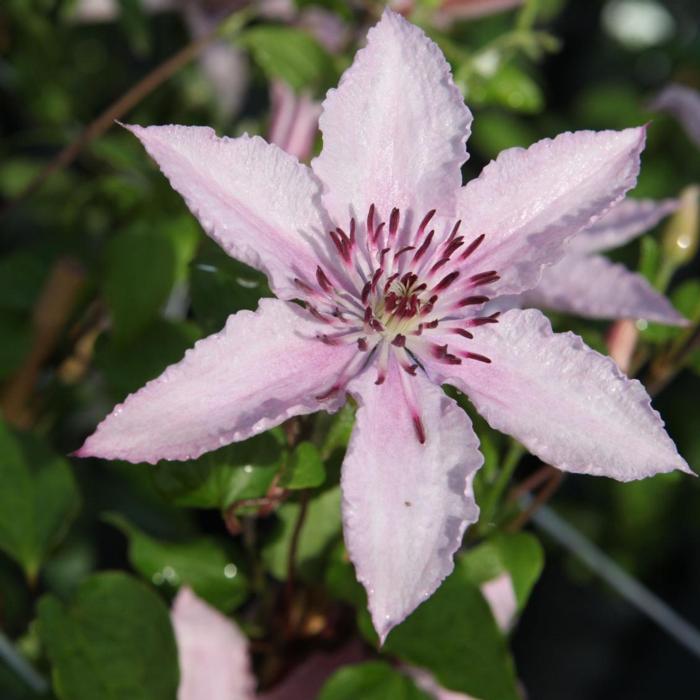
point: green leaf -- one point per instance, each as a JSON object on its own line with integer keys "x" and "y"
{"x": 321, "y": 527}
{"x": 291, "y": 55}
{"x": 521, "y": 555}
{"x": 114, "y": 641}
{"x": 203, "y": 564}
{"x": 373, "y": 680}
{"x": 38, "y": 499}
{"x": 140, "y": 272}
{"x": 221, "y": 286}
{"x": 304, "y": 469}
{"x": 128, "y": 366}
{"x": 454, "y": 635}
{"x": 217, "y": 479}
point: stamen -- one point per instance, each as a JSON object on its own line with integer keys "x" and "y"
{"x": 470, "y": 301}
{"x": 476, "y": 356}
{"x": 464, "y": 333}
{"x": 399, "y": 340}
{"x": 481, "y": 320}
{"x": 420, "y": 430}
{"x": 426, "y": 244}
{"x": 362, "y": 344}
{"x": 424, "y": 224}
{"x": 323, "y": 281}
{"x": 473, "y": 246}
{"x": 394, "y": 222}
{"x": 446, "y": 281}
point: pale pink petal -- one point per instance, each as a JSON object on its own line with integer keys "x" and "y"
{"x": 427, "y": 682}
{"x": 623, "y": 223}
{"x": 394, "y": 130}
{"x": 528, "y": 202}
{"x": 293, "y": 120}
{"x": 500, "y": 595}
{"x": 684, "y": 104}
{"x": 261, "y": 369}
{"x": 569, "y": 405}
{"x": 593, "y": 287}
{"x": 213, "y": 652}
{"x": 259, "y": 203}
{"x": 406, "y": 504}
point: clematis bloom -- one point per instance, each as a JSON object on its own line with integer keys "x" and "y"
{"x": 393, "y": 261}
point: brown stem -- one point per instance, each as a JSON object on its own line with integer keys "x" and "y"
{"x": 662, "y": 374}
{"x": 114, "y": 112}
{"x": 555, "y": 477}
{"x": 292, "y": 556}
{"x": 51, "y": 312}
{"x": 544, "y": 473}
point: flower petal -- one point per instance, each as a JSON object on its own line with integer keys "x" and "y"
{"x": 527, "y": 203}
{"x": 594, "y": 287}
{"x": 623, "y": 223}
{"x": 569, "y": 405}
{"x": 258, "y": 202}
{"x": 684, "y": 104}
{"x": 213, "y": 652}
{"x": 394, "y": 131}
{"x": 262, "y": 368}
{"x": 406, "y": 504}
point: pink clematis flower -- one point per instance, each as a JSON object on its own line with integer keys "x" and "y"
{"x": 586, "y": 284}
{"x": 293, "y": 120}
{"x": 392, "y": 307}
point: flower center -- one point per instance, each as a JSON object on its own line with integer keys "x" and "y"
{"x": 391, "y": 287}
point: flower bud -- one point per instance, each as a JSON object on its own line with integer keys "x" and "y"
{"x": 680, "y": 240}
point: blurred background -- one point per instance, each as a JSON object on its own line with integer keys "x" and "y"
{"x": 105, "y": 279}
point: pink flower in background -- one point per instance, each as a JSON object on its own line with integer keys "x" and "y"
{"x": 684, "y": 104}
{"x": 393, "y": 261}
{"x": 214, "y": 657}
{"x": 212, "y": 651}
{"x": 586, "y": 284}
{"x": 293, "y": 120}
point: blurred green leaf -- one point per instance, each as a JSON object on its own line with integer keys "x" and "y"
{"x": 21, "y": 277}
{"x": 140, "y": 272}
{"x": 16, "y": 334}
{"x": 291, "y": 55}
{"x": 128, "y": 366}
{"x": 38, "y": 499}
{"x": 203, "y": 564}
{"x": 304, "y": 468}
{"x": 340, "y": 579}
{"x": 373, "y": 680}
{"x": 472, "y": 655}
{"x": 114, "y": 641}
{"x": 509, "y": 86}
{"x": 496, "y": 131}
{"x": 321, "y": 527}
{"x": 217, "y": 479}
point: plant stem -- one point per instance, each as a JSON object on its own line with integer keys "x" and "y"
{"x": 294, "y": 545}
{"x": 510, "y": 462}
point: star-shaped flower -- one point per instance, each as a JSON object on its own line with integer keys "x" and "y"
{"x": 393, "y": 260}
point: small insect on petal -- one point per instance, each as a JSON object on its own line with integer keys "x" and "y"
{"x": 420, "y": 430}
